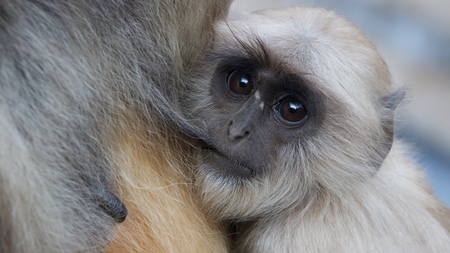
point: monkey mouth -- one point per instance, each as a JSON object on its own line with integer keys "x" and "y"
{"x": 218, "y": 162}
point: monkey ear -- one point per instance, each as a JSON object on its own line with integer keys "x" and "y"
{"x": 389, "y": 104}
{"x": 111, "y": 204}
{"x": 392, "y": 100}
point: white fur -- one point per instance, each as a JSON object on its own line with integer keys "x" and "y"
{"x": 335, "y": 191}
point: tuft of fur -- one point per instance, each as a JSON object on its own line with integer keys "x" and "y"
{"x": 82, "y": 84}
{"x": 347, "y": 186}
{"x": 155, "y": 181}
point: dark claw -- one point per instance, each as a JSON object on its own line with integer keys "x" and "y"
{"x": 112, "y": 205}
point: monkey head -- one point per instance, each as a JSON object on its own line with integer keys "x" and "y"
{"x": 292, "y": 104}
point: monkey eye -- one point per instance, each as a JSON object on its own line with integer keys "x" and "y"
{"x": 240, "y": 83}
{"x": 290, "y": 110}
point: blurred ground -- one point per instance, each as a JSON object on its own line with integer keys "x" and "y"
{"x": 414, "y": 38}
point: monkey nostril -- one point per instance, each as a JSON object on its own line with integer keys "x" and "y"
{"x": 236, "y": 132}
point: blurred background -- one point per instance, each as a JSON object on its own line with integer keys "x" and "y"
{"x": 414, "y": 38}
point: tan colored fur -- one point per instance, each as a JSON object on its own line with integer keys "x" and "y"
{"x": 164, "y": 213}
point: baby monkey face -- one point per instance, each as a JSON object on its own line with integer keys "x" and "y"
{"x": 290, "y": 102}
{"x": 257, "y": 108}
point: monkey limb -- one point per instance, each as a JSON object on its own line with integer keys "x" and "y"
{"x": 80, "y": 81}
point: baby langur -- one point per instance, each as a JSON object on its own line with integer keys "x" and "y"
{"x": 297, "y": 116}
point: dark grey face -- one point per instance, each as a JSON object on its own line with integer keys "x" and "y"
{"x": 255, "y": 108}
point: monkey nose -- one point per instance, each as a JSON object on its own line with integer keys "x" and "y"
{"x": 238, "y": 131}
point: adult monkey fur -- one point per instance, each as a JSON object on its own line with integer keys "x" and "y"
{"x": 88, "y": 121}
{"x": 297, "y": 117}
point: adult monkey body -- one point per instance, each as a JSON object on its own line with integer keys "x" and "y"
{"x": 296, "y": 114}
{"x": 87, "y": 119}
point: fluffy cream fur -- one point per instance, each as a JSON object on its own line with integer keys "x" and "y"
{"x": 346, "y": 188}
